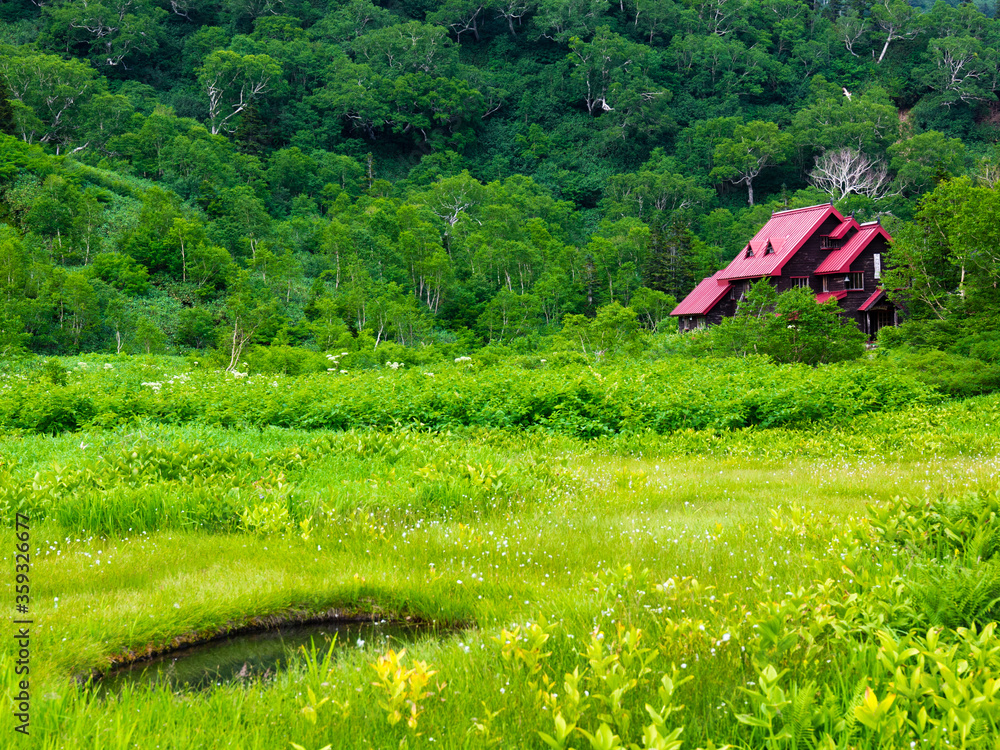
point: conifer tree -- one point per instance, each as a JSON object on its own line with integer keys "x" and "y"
{"x": 6, "y": 110}
{"x": 250, "y": 136}
{"x": 668, "y": 267}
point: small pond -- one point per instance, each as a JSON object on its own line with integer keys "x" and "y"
{"x": 257, "y": 655}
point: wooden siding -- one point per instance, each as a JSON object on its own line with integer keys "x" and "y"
{"x": 864, "y": 264}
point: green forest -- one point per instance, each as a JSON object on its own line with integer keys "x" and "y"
{"x": 258, "y": 183}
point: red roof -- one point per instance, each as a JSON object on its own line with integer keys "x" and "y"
{"x": 703, "y": 297}
{"x": 872, "y": 300}
{"x": 786, "y": 232}
{"x": 839, "y": 261}
{"x": 824, "y": 296}
{"x": 839, "y": 232}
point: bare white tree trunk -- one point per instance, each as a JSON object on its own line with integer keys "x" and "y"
{"x": 848, "y": 171}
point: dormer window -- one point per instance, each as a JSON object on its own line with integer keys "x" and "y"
{"x": 768, "y": 250}
{"x": 749, "y": 253}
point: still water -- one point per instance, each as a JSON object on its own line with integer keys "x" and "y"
{"x": 257, "y": 655}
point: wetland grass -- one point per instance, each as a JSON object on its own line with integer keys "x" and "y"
{"x": 588, "y": 579}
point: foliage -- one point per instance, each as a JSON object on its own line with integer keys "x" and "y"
{"x": 593, "y": 399}
{"x": 944, "y": 273}
{"x": 951, "y": 374}
{"x": 787, "y": 327}
{"x": 502, "y": 165}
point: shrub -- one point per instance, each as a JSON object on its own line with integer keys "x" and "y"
{"x": 288, "y": 360}
{"x": 788, "y": 327}
{"x": 952, "y": 374}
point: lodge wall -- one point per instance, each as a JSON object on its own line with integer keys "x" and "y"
{"x": 865, "y": 264}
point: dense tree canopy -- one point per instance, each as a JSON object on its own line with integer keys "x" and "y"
{"x": 466, "y": 172}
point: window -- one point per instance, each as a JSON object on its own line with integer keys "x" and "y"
{"x": 826, "y": 283}
{"x": 854, "y": 281}
{"x": 801, "y": 283}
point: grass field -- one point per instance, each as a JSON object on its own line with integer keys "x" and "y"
{"x": 704, "y": 587}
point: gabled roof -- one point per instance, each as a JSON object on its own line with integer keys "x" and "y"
{"x": 839, "y": 261}
{"x": 876, "y": 296}
{"x": 824, "y": 296}
{"x": 839, "y": 232}
{"x": 786, "y": 231}
{"x": 703, "y": 297}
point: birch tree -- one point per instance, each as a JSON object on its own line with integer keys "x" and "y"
{"x": 597, "y": 64}
{"x": 111, "y": 30}
{"x": 897, "y": 20}
{"x": 248, "y": 307}
{"x": 232, "y": 82}
{"x": 560, "y": 20}
{"x": 959, "y": 70}
{"x": 849, "y": 29}
{"x": 461, "y": 16}
{"x": 51, "y": 92}
{"x": 513, "y": 10}
{"x": 753, "y": 147}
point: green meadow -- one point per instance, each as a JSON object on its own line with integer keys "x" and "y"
{"x": 674, "y": 555}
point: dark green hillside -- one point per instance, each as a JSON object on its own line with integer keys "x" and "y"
{"x": 185, "y": 175}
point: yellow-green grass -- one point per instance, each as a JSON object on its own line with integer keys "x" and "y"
{"x": 749, "y": 529}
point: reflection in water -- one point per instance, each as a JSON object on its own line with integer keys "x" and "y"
{"x": 254, "y": 655}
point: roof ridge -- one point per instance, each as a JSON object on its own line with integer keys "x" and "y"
{"x": 804, "y": 208}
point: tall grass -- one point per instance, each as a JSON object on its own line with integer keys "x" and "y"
{"x": 745, "y": 559}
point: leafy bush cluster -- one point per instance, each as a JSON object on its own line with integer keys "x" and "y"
{"x": 953, "y": 551}
{"x": 952, "y": 374}
{"x": 788, "y": 327}
{"x": 584, "y": 401}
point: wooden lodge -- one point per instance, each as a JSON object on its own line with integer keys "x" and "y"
{"x": 812, "y": 247}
